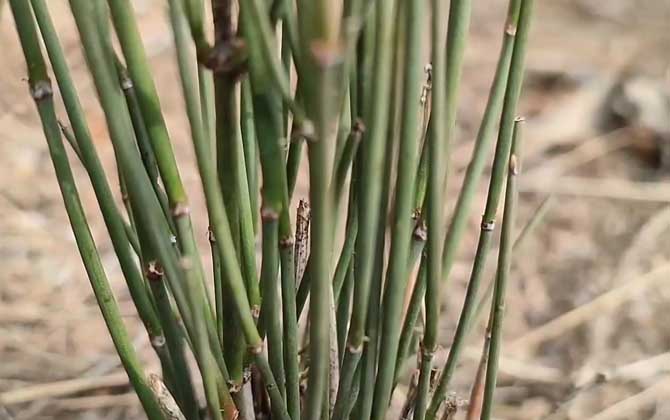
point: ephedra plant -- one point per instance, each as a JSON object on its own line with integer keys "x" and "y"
{"x": 318, "y": 329}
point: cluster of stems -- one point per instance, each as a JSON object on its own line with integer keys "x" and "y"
{"x": 319, "y": 329}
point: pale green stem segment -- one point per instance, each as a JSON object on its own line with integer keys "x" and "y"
{"x": 374, "y": 106}
{"x": 132, "y": 46}
{"x": 401, "y": 234}
{"x": 504, "y": 264}
{"x": 503, "y": 146}
{"x": 41, "y": 91}
{"x": 485, "y": 136}
{"x": 94, "y": 168}
{"x": 446, "y": 75}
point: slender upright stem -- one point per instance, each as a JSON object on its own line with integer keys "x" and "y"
{"x": 221, "y": 227}
{"x": 268, "y": 111}
{"x": 174, "y": 341}
{"x": 528, "y": 228}
{"x": 416, "y": 298}
{"x": 444, "y": 90}
{"x": 319, "y": 69}
{"x": 127, "y": 31}
{"x": 294, "y": 158}
{"x": 397, "y": 271}
{"x": 94, "y": 168}
{"x": 485, "y": 136}
{"x": 344, "y": 310}
{"x": 259, "y": 36}
{"x": 290, "y": 326}
{"x": 41, "y": 91}
{"x": 503, "y": 146}
{"x": 346, "y": 256}
{"x": 376, "y": 115}
{"x": 504, "y": 264}
{"x": 249, "y": 147}
{"x": 143, "y": 142}
{"x": 138, "y": 66}
{"x": 227, "y": 143}
{"x": 198, "y": 134}
{"x": 271, "y": 299}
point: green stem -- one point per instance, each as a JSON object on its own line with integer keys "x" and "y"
{"x": 503, "y": 146}
{"x": 485, "y": 136}
{"x": 72, "y": 141}
{"x": 293, "y": 161}
{"x": 319, "y": 72}
{"x": 218, "y": 288}
{"x": 377, "y": 113}
{"x": 91, "y": 161}
{"x": 344, "y": 310}
{"x": 206, "y": 89}
{"x": 143, "y": 142}
{"x": 290, "y": 324}
{"x": 346, "y": 255}
{"x": 528, "y": 228}
{"x": 416, "y": 299}
{"x": 132, "y": 46}
{"x": 249, "y": 146}
{"x": 227, "y": 143}
{"x": 247, "y": 207}
{"x": 174, "y": 341}
{"x": 444, "y": 93}
{"x": 504, "y": 264}
{"x": 258, "y": 34}
{"x": 222, "y": 232}
{"x": 183, "y": 277}
{"x": 320, "y": 287}
{"x": 271, "y": 300}
{"x": 397, "y": 271}
{"x": 40, "y": 89}
{"x": 268, "y": 112}
{"x": 348, "y": 155}
{"x": 202, "y": 144}
{"x": 371, "y": 350}
{"x": 127, "y": 32}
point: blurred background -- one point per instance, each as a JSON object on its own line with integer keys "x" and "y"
{"x": 587, "y": 333}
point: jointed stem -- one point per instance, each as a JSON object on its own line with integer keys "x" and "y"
{"x": 397, "y": 271}
{"x": 495, "y": 188}
{"x": 504, "y": 264}
{"x": 348, "y": 85}
{"x": 42, "y": 94}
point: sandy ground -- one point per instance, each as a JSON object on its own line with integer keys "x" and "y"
{"x": 605, "y": 231}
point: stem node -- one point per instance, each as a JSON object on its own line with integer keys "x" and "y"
{"x": 269, "y": 214}
{"x": 154, "y": 271}
{"x": 180, "y": 209}
{"x": 41, "y": 90}
{"x": 488, "y": 225}
{"x": 286, "y": 242}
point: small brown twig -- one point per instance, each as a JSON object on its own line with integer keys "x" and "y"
{"x": 61, "y": 388}
{"x": 95, "y": 402}
{"x": 615, "y": 189}
{"x": 625, "y": 408}
{"x": 477, "y": 392}
{"x": 166, "y": 401}
{"x": 587, "y": 151}
{"x": 301, "y": 239}
{"x": 640, "y": 371}
{"x": 597, "y": 307}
